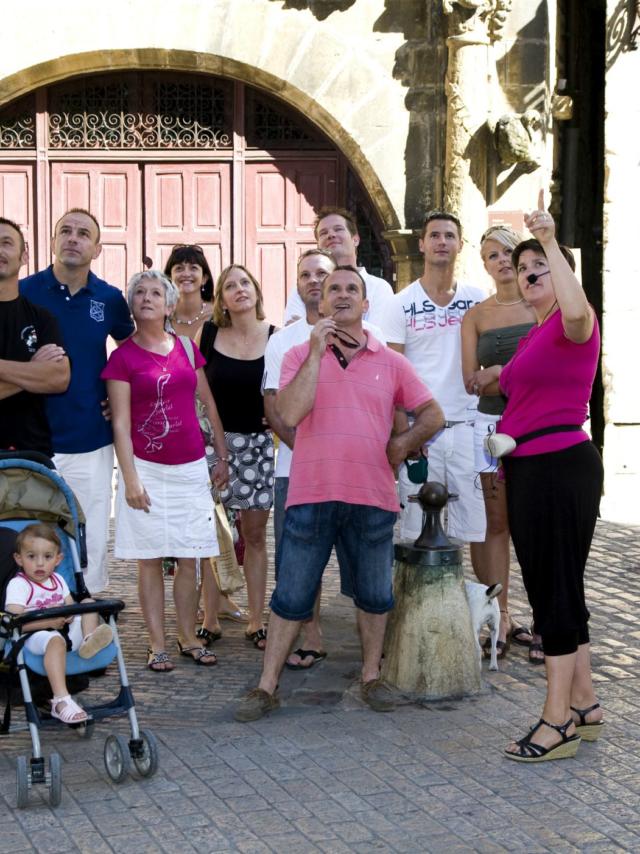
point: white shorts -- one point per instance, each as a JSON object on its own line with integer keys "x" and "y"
{"x": 37, "y": 642}
{"x": 484, "y": 425}
{"x": 450, "y": 459}
{"x": 180, "y": 521}
{"x": 89, "y": 476}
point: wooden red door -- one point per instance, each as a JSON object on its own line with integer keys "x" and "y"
{"x": 16, "y": 204}
{"x": 112, "y": 192}
{"x": 188, "y": 203}
{"x": 281, "y": 199}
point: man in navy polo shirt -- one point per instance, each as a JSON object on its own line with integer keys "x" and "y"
{"x": 88, "y": 311}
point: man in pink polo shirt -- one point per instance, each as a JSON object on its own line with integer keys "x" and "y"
{"x": 340, "y": 391}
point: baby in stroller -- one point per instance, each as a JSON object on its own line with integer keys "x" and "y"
{"x": 37, "y": 585}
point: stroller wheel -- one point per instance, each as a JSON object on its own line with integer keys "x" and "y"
{"x": 55, "y": 780}
{"x": 117, "y": 759}
{"x": 22, "y": 782}
{"x": 146, "y": 761}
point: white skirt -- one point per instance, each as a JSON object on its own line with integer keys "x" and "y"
{"x": 180, "y": 521}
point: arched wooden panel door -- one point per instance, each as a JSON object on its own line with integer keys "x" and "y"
{"x": 111, "y": 191}
{"x": 188, "y": 203}
{"x": 16, "y": 204}
{"x": 281, "y": 199}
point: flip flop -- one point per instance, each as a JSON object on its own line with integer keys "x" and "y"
{"x": 502, "y": 648}
{"x": 535, "y": 647}
{"x": 159, "y": 662}
{"x": 257, "y": 638}
{"x": 518, "y": 634}
{"x": 208, "y": 636}
{"x": 236, "y": 616}
{"x": 306, "y": 653}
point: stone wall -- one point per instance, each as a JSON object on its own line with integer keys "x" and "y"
{"x": 337, "y": 68}
{"x": 621, "y": 310}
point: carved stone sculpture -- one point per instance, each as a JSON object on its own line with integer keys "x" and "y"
{"x": 517, "y": 138}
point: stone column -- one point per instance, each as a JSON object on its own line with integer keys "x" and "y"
{"x": 473, "y": 26}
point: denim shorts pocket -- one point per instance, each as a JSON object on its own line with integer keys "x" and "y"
{"x": 377, "y": 525}
{"x": 303, "y": 523}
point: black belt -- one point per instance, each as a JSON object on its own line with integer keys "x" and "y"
{"x": 452, "y": 423}
{"x": 544, "y": 431}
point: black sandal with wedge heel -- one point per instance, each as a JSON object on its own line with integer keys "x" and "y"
{"x": 588, "y": 731}
{"x": 529, "y": 751}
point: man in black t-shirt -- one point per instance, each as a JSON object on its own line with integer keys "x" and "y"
{"x": 32, "y": 360}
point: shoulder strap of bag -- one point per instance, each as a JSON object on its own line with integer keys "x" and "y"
{"x": 188, "y": 345}
{"x": 209, "y": 332}
{"x": 272, "y": 329}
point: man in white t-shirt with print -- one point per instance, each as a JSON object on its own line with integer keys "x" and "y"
{"x": 314, "y": 266}
{"x": 336, "y": 232}
{"x": 425, "y": 326}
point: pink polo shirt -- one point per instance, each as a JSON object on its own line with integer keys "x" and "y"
{"x": 340, "y": 448}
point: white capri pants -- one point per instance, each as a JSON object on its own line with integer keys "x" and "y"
{"x": 89, "y": 475}
{"x": 37, "y": 643}
{"x": 451, "y": 462}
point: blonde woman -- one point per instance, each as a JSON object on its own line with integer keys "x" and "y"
{"x": 233, "y": 344}
{"x": 189, "y": 270}
{"x": 490, "y": 334}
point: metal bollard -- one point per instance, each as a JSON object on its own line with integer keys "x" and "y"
{"x": 430, "y": 650}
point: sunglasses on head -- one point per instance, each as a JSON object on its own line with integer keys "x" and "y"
{"x": 189, "y": 246}
{"x": 494, "y": 229}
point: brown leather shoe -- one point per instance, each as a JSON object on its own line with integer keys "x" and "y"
{"x": 377, "y": 695}
{"x": 255, "y": 705}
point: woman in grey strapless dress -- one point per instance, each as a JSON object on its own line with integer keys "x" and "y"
{"x": 490, "y": 334}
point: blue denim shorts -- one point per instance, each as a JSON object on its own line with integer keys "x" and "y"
{"x": 363, "y": 537}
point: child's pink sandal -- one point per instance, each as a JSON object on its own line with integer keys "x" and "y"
{"x": 70, "y": 713}
{"x": 96, "y": 641}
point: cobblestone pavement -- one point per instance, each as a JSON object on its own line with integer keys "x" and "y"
{"x": 326, "y": 774}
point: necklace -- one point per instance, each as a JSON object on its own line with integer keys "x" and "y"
{"x": 548, "y": 313}
{"x": 175, "y": 318}
{"x": 515, "y": 301}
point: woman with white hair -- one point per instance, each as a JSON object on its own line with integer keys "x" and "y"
{"x": 164, "y": 504}
{"x": 490, "y": 334}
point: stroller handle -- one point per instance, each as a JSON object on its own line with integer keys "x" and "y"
{"x": 104, "y": 607}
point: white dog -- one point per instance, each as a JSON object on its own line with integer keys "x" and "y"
{"x": 485, "y": 609}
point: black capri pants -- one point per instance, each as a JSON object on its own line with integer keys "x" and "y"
{"x": 553, "y": 502}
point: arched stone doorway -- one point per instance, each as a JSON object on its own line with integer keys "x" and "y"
{"x": 165, "y": 158}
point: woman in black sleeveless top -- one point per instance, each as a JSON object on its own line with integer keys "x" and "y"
{"x": 233, "y": 345}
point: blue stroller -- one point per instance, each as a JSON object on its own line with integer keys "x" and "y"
{"x": 32, "y": 491}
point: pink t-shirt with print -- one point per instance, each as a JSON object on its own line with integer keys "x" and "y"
{"x": 164, "y": 427}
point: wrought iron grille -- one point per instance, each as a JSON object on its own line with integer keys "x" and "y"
{"x": 269, "y": 125}
{"x": 140, "y": 113}
{"x": 18, "y": 125}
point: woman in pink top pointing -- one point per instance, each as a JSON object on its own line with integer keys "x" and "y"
{"x": 554, "y": 482}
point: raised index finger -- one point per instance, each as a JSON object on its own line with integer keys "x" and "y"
{"x": 541, "y": 206}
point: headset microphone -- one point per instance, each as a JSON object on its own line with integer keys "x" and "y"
{"x": 532, "y": 278}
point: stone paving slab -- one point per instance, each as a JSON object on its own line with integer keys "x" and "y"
{"x": 326, "y": 774}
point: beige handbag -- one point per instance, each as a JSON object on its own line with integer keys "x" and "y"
{"x": 229, "y": 576}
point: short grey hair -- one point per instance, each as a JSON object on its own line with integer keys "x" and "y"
{"x": 171, "y": 292}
